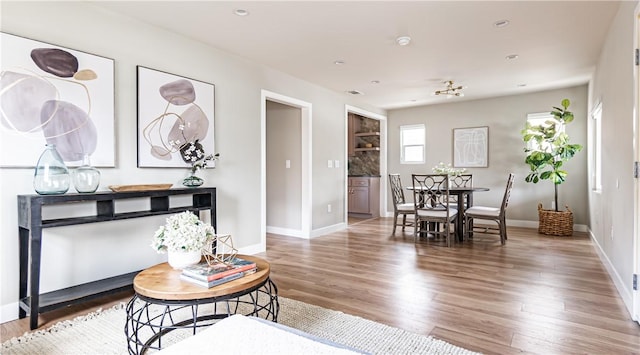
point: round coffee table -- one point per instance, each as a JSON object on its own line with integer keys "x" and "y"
{"x": 163, "y": 303}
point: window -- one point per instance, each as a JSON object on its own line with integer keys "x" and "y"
{"x": 412, "y": 139}
{"x": 539, "y": 119}
{"x": 596, "y": 115}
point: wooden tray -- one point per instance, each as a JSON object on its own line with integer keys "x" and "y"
{"x": 147, "y": 187}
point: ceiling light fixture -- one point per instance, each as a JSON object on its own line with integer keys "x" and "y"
{"x": 241, "y": 12}
{"x": 375, "y": 81}
{"x": 501, "y": 23}
{"x": 511, "y": 57}
{"x": 355, "y": 92}
{"x": 403, "y": 40}
{"x": 450, "y": 91}
{"x": 338, "y": 62}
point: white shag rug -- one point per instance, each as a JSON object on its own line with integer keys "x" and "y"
{"x": 102, "y": 332}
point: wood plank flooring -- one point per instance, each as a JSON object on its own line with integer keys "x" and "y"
{"x": 537, "y": 294}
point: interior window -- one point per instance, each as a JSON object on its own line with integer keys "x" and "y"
{"x": 412, "y": 144}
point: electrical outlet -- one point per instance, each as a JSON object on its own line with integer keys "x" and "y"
{"x": 611, "y": 232}
{"x": 287, "y": 164}
{"x": 329, "y": 208}
{"x": 337, "y": 163}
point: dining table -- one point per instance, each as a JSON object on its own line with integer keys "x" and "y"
{"x": 462, "y": 194}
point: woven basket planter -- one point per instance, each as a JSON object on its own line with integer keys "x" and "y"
{"x": 558, "y": 223}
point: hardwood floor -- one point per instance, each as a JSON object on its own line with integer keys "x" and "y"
{"x": 537, "y": 294}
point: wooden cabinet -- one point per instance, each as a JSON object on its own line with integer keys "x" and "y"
{"x": 364, "y": 197}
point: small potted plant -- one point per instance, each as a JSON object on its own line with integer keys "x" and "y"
{"x": 183, "y": 237}
{"x": 547, "y": 150}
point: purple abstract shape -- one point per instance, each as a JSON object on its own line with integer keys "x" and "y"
{"x": 161, "y": 153}
{"x": 180, "y": 92}
{"x": 193, "y": 126}
{"x": 69, "y": 128}
{"x": 22, "y": 99}
{"x": 55, "y": 61}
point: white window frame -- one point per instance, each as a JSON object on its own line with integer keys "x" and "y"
{"x": 404, "y": 128}
{"x": 596, "y": 115}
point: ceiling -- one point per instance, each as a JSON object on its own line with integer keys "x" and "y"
{"x": 557, "y": 42}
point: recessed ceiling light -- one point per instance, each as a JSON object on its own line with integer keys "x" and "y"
{"x": 355, "y": 92}
{"x": 241, "y": 12}
{"x": 511, "y": 57}
{"x": 338, "y": 62}
{"x": 501, "y": 23}
{"x": 522, "y": 85}
{"x": 403, "y": 40}
{"x": 375, "y": 81}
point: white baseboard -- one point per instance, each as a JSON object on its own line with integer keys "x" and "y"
{"x": 328, "y": 229}
{"x": 621, "y": 286}
{"x": 286, "y": 231}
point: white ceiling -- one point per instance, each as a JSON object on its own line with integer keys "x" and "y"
{"x": 558, "y": 42}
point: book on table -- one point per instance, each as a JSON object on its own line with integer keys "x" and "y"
{"x": 205, "y": 272}
{"x": 212, "y": 283}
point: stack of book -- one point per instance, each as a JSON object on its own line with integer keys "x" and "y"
{"x": 206, "y": 275}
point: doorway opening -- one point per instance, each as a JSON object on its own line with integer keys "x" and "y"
{"x": 369, "y": 145}
{"x": 289, "y": 203}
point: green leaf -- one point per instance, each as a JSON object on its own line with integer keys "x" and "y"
{"x": 565, "y": 103}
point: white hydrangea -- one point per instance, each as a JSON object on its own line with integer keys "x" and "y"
{"x": 182, "y": 232}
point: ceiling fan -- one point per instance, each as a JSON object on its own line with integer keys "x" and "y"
{"x": 451, "y": 90}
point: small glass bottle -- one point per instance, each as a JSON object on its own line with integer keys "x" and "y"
{"x": 86, "y": 178}
{"x": 51, "y": 176}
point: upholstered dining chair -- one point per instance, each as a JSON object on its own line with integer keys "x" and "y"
{"x": 496, "y": 214}
{"x": 400, "y": 206}
{"x": 431, "y": 205}
{"x": 462, "y": 180}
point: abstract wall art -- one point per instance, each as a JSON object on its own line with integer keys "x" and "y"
{"x": 54, "y": 95}
{"x": 471, "y": 147}
{"x": 174, "y": 114}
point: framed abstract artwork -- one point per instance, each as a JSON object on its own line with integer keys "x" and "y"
{"x": 55, "y": 95}
{"x": 174, "y": 114}
{"x": 471, "y": 147}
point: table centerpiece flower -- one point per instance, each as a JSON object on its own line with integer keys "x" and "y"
{"x": 441, "y": 168}
{"x": 183, "y": 237}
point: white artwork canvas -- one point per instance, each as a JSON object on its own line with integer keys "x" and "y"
{"x": 54, "y": 95}
{"x": 471, "y": 147}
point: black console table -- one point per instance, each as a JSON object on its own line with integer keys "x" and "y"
{"x": 30, "y": 225}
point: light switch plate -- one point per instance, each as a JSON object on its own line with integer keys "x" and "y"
{"x": 329, "y": 163}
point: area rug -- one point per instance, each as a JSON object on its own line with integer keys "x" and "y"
{"x": 102, "y": 332}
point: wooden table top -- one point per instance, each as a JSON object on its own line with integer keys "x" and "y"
{"x": 163, "y": 282}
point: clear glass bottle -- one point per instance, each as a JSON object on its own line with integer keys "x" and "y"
{"x": 51, "y": 176}
{"x": 86, "y": 178}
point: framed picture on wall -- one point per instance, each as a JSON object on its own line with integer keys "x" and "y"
{"x": 174, "y": 114}
{"x": 55, "y": 95}
{"x": 471, "y": 147}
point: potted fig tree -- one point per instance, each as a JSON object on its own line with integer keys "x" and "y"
{"x": 547, "y": 150}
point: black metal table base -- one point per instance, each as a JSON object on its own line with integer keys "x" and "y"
{"x": 150, "y": 320}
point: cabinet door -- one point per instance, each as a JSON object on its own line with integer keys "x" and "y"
{"x": 359, "y": 199}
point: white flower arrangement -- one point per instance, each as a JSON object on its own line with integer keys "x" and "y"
{"x": 182, "y": 232}
{"x": 441, "y": 168}
{"x": 193, "y": 153}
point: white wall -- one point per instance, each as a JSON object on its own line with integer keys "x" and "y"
{"x": 612, "y": 209}
{"x": 284, "y": 194}
{"x": 505, "y": 117}
{"x": 82, "y": 253}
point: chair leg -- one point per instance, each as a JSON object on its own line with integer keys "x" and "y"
{"x": 503, "y": 231}
{"x": 395, "y": 222}
{"x": 404, "y": 221}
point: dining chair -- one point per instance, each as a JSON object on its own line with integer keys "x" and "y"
{"x": 430, "y": 199}
{"x": 462, "y": 180}
{"x": 496, "y": 214}
{"x": 400, "y": 206}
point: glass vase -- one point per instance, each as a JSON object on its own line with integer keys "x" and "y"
{"x": 192, "y": 181}
{"x": 86, "y": 178}
{"x": 51, "y": 176}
